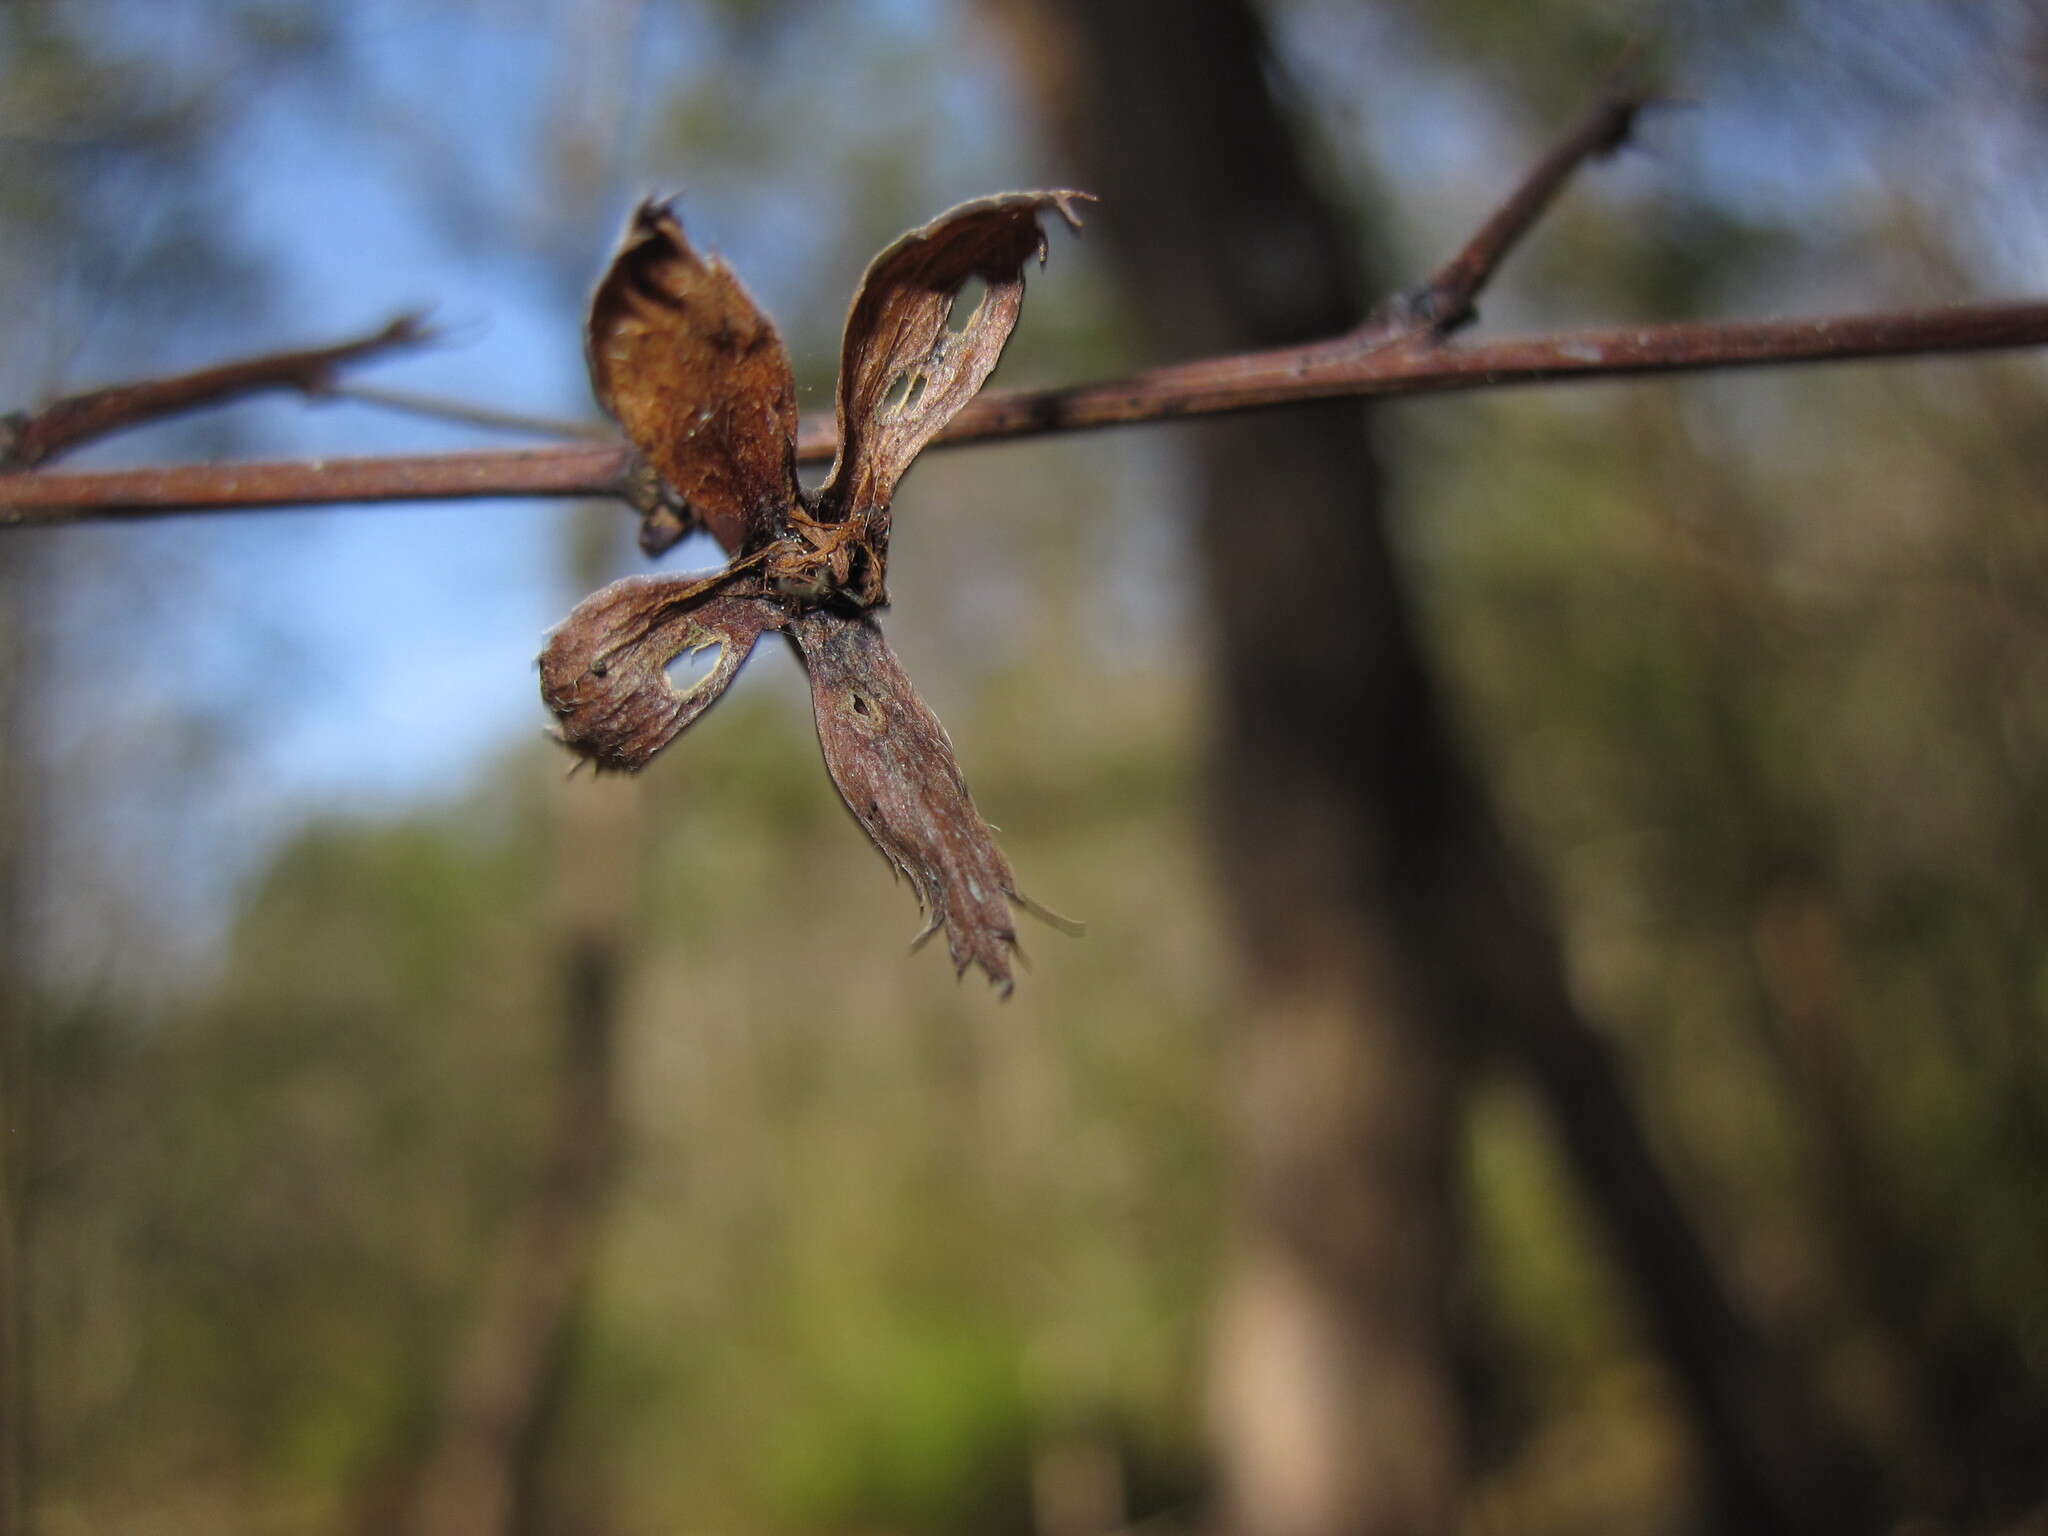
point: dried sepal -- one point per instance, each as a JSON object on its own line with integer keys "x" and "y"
{"x": 699, "y": 381}
{"x": 895, "y": 769}
{"x": 696, "y": 376}
{"x": 604, "y": 671}
{"x": 903, "y": 372}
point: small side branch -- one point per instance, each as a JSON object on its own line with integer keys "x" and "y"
{"x": 1418, "y": 366}
{"x": 1400, "y": 351}
{"x": 582, "y": 470}
{"x": 1446, "y": 301}
{"x": 1325, "y": 371}
{"x": 462, "y": 413}
{"x": 32, "y": 438}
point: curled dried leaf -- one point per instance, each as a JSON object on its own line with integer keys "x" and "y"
{"x": 895, "y": 769}
{"x": 905, "y": 370}
{"x": 696, "y": 376}
{"x": 604, "y": 672}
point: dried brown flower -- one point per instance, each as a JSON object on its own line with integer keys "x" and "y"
{"x": 701, "y": 384}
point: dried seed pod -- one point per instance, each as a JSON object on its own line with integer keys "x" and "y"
{"x": 699, "y": 381}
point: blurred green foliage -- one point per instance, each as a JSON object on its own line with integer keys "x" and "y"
{"x": 875, "y": 1237}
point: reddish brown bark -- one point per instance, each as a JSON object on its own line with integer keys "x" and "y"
{"x": 475, "y": 1470}
{"x": 27, "y": 440}
{"x": 1361, "y": 363}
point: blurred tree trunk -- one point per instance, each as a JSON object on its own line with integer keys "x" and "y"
{"x": 506, "y": 1386}
{"x": 1335, "y": 1407}
{"x": 16, "y": 1402}
{"x": 1387, "y": 928}
{"x": 478, "y": 1474}
{"x": 478, "y": 1471}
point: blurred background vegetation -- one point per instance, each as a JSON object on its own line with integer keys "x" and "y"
{"x": 400, "y": 1136}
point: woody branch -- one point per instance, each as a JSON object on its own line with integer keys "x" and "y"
{"x": 1402, "y": 349}
{"x": 28, "y": 439}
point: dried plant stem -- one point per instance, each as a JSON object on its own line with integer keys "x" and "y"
{"x": 29, "y": 439}
{"x": 1446, "y": 299}
{"x": 1320, "y": 371}
{"x": 68, "y": 497}
{"x": 463, "y": 413}
{"x": 1420, "y": 365}
{"x": 1400, "y": 350}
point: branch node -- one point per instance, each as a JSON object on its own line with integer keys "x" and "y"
{"x": 1449, "y": 299}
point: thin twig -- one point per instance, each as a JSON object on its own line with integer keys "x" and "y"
{"x": 1445, "y": 302}
{"x": 29, "y": 439}
{"x": 1399, "y": 352}
{"x": 582, "y": 470}
{"x": 1417, "y": 366}
{"x": 462, "y": 413}
{"x": 1290, "y": 376}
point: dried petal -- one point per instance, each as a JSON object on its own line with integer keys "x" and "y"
{"x": 696, "y": 376}
{"x": 903, "y": 374}
{"x": 604, "y": 672}
{"x": 895, "y": 770}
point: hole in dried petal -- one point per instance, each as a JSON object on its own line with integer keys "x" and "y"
{"x": 866, "y": 713}
{"x": 966, "y": 305}
{"x": 689, "y": 669}
{"x": 904, "y": 391}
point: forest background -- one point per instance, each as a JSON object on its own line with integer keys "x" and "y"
{"x": 398, "y": 1133}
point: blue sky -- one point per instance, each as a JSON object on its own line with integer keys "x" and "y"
{"x": 352, "y": 661}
